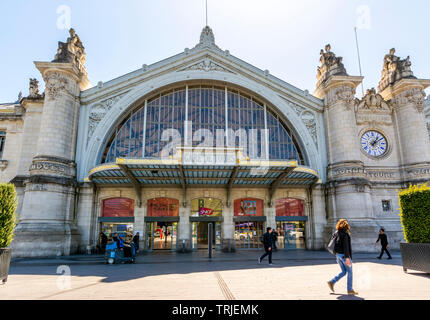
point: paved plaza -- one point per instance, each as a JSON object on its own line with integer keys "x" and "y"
{"x": 300, "y": 275}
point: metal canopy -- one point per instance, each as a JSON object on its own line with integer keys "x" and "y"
{"x": 140, "y": 173}
{"x": 146, "y": 172}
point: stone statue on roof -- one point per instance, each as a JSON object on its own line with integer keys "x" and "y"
{"x": 394, "y": 69}
{"x": 34, "y": 89}
{"x": 330, "y": 65}
{"x": 71, "y": 51}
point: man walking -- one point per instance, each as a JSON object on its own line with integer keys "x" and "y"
{"x": 275, "y": 240}
{"x": 384, "y": 244}
{"x": 268, "y": 243}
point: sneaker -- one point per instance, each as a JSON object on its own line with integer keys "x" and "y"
{"x": 389, "y": 258}
{"x": 270, "y": 264}
{"x": 352, "y": 293}
{"x": 378, "y": 258}
{"x": 330, "y": 285}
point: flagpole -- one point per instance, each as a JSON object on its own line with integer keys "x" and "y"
{"x": 359, "y": 60}
{"x": 206, "y": 13}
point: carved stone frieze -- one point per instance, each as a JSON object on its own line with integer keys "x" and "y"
{"x": 98, "y": 112}
{"x": 48, "y": 166}
{"x": 51, "y": 168}
{"x": 206, "y": 65}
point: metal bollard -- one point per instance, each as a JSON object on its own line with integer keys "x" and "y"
{"x": 183, "y": 246}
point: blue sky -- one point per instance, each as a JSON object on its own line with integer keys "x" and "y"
{"x": 282, "y": 36}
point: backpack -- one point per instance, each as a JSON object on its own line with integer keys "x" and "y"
{"x": 332, "y": 243}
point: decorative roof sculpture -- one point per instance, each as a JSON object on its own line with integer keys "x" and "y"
{"x": 207, "y": 39}
{"x": 34, "y": 89}
{"x": 394, "y": 70}
{"x": 330, "y": 66}
{"x": 71, "y": 51}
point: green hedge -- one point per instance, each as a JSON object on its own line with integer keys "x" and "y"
{"x": 415, "y": 213}
{"x": 8, "y": 204}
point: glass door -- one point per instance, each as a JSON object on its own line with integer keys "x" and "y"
{"x": 291, "y": 235}
{"x": 199, "y": 234}
{"x": 161, "y": 235}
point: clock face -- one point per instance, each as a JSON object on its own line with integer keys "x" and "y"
{"x": 374, "y": 144}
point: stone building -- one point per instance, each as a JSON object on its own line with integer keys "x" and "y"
{"x": 205, "y": 140}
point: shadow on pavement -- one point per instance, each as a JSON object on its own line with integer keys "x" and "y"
{"x": 155, "y": 264}
{"x": 348, "y": 297}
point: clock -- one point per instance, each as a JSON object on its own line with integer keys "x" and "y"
{"x": 374, "y": 144}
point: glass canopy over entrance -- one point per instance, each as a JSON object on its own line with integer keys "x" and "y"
{"x": 209, "y": 116}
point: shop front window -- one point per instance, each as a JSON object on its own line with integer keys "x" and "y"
{"x": 123, "y": 230}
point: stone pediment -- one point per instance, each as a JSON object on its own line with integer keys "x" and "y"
{"x": 207, "y": 65}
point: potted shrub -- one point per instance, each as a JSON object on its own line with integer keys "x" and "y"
{"x": 415, "y": 218}
{"x": 8, "y": 204}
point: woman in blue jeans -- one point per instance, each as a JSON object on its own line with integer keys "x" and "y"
{"x": 343, "y": 255}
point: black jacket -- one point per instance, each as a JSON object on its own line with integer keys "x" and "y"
{"x": 267, "y": 240}
{"x": 343, "y": 244}
{"x": 384, "y": 240}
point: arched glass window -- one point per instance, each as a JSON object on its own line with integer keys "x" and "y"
{"x": 217, "y": 116}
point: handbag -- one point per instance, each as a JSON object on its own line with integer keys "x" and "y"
{"x": 332, "y": 243}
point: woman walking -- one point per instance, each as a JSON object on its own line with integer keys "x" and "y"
{"x": 343, "y": 255}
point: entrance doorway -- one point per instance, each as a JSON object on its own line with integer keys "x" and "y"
{"x": 248, "y": 234}
{"x": 161, "y": 235}
{"x": 291, "y": 235}
{"x": 200, "y": 232}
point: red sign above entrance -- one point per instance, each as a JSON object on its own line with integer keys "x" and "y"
{"x": 248, "y": 207}
{"x": 289, "y": 208}
{"x": 118, "y": 207}
{"x": 163, "y": 207}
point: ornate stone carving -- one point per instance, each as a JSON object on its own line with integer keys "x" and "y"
{"x": 206, "y": 65}
{"x": 344, "y": 94}
{"x": 330, "y": 66}
{"x": 372, "y": 102}
{"x": 56, "y": 84}
{"x": 72, "y": 51}
{"x": 34, "y": 89}
{"x": 308, "y": 118}
{"x": 207, "y": 39}
{"x": 373, "y": 110}
{"x": 98, "y": 112}
{"x": 413, "y": 96}
{"x": 394, "y": 69}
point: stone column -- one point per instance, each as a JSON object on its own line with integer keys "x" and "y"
{"x": 407, "y": 97}
{"x": 228, "y": 243}
{"x": 48, "y": 218}
{"x": 184, "y": 228}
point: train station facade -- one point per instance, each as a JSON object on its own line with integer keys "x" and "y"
{"x": 205, "y": 140}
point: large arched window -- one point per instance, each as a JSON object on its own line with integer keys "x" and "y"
{"x": 215, "y": 115}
